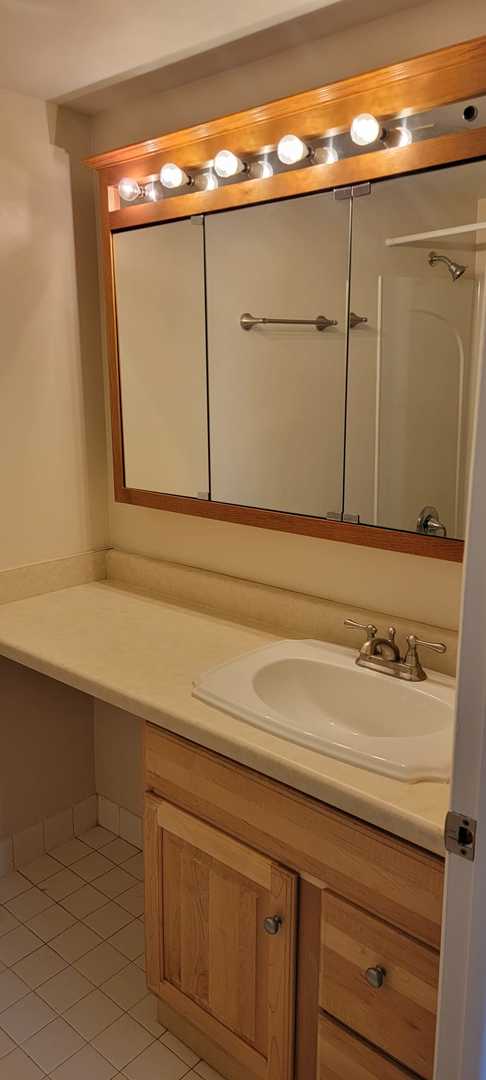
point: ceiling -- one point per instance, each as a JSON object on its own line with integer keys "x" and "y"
{"x": 76, "y": 51}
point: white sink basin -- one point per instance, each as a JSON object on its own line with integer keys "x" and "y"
{"x": 314, "y": 694}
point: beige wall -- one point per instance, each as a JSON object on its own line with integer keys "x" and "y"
{"x": 46, "y": 747}
{"x": 383, "y": 41}
{"x": 412, "y": 587}
{"x": 51, "y": 413}
{"x": 118, "y": 756}
{"x": 53, "y": 476}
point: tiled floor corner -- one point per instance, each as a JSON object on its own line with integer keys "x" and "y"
{"x": 73, "y": 997}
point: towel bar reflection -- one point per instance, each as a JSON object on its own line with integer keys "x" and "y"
{"x": 247, "y": 322}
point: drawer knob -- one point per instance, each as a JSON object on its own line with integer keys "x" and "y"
{"x": 272, "y": 924}
{"x": 375, "y": 976}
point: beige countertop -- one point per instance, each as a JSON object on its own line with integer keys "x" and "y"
{"x": 142, "y": 654}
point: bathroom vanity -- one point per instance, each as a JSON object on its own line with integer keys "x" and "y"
{"x": 293, "y": 901}
{"x": 272, "y": 919}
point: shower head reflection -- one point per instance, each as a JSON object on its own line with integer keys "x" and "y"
{"x": 455, "y": 269}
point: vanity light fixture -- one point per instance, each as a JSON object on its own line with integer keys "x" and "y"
{"x": 150, "y": 191}
{"x": 365, "y": 129}
{"x": 405, "y": 136}
{"x": 129, "y": 190}
{"x": 171, "y": 176}
{"x": 261, "y": 170}
{"x": 324, "y": 155}
{"x": 291, "y": 149}
{"x": 226, "y": 164}
{"x": 397, "y": 136}
{"x": 207, "y": 181}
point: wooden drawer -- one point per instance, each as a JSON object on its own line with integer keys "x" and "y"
{"x": 342, "y": 1056}
{"x": 395, "y": 880}
{"x": 400, "y": 1015}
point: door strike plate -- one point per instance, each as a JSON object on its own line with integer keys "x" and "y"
{"x": 460, "y": 835}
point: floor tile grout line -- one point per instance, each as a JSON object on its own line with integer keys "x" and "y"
{"x": 123, "y": 1012}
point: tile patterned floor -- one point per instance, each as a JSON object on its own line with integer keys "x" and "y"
{"x": 74, "y": 1003}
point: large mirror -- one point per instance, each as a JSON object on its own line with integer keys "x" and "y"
{"x": 315, "y": 356}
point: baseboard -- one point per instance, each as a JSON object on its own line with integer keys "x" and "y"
{"x": 23, "y": 847}
{"x": 120, "y": 821}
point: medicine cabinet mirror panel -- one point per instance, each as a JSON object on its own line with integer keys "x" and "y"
{"x": 413, "y": 365}
{"x": 160, "y": 303}
{"x": 277, "y": 389}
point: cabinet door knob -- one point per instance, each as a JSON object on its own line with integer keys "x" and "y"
{"x": 375, "y": 976}
{"x": 272, "y": 924}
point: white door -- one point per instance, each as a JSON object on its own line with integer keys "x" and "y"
{"x": 461, "y": 1034}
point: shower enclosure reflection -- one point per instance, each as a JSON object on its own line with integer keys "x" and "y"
{"x": 412, "y": 369}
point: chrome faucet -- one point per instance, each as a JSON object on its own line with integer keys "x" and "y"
{"x": 383, "y": 654}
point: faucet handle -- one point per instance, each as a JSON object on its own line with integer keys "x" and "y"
{"x": 368, "y": 628}
{"x": 436, "y": 646}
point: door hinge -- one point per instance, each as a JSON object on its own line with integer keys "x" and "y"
{"x": 336, "y": 515}
{"x": 361, "y": 189}
{"x": 341, "y": 193}
{"x": 460, "y": 835}
{"x": 356, "y": 191}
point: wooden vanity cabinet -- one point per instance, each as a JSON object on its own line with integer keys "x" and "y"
{"x": 270, "y": 917}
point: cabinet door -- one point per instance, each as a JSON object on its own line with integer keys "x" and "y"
{"x": 209, "y": 954}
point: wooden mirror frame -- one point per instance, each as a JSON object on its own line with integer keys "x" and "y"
{"x": 425, "y": 82}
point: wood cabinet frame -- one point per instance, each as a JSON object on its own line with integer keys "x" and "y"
{"x": 425, "y": 82}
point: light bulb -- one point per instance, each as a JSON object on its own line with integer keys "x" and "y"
{"x": 365, "y": 129}
{"x": 261, "y": 170}
{"x": 129, "y": 189}
{"x": 171, "y": 176}
{"x": 324, "y": 155}
{"x": 150, "y": 191}
{"x": 226, "y": 163}
{"x": 291, "y": 149}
